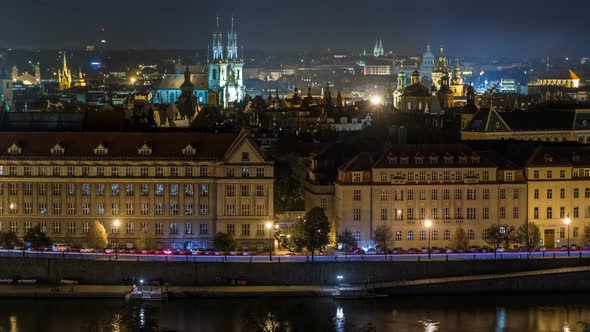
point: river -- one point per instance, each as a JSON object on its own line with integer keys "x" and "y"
{"x": 547, "y": 312}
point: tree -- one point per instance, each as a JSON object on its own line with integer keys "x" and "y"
{"x": 9, "y": 240}
{"x": 37, "y": 238}
{"x": 502, "y": 236}
{"x": 383, "y": 238}
{"x": 529, "y": 235}
{"x": 313, "y": 232}
{"x": 347, "y": 241}
{"x": 586, "y": 235}
{"x": 459, "y": 241}
{"x": 224, "y": 242}
{"x": 97, "y": 236}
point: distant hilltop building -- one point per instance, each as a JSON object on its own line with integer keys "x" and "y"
{"x": 557, "y": 85}
{"x": 26, "y": 78}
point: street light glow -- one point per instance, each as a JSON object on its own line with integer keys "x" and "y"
{"x": 428, "y": 223}
{"x": 269, "y": 225}
{"x": 116, "y": 223}
{"x": 567, "y": 221}
{"x": 376, "y": 100}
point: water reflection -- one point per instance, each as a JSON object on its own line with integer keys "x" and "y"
{"x": 429, "y": 325}
{"x": 429, "y": 314}
{"x": 500, "y": 319}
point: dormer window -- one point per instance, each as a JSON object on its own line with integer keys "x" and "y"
{"x": 404, "y": 160}
{"x": 475, "y": 158}
{"x": 58, "y": 149}
{"x": 144, "y": 150}
{"x": 419, "y": 159}
{"x": 357, "y": 177}
{"x": 15, "y": 149}
{"x": 548, "y": 158}
{"x": 189, "y": 150}
{"x": 391, "y": 159}
{"x": 463, "y": 159}
{"x": 433, "y": 159}
{"x": 101, "y": 150}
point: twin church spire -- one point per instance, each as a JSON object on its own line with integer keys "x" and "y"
{"x": 230, "y": 50}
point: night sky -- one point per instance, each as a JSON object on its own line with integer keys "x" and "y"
{"x": 473, "y": 28}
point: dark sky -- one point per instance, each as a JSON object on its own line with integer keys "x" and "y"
{"x": 473, "y": 28}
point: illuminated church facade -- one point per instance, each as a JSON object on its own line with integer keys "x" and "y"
{"x": 226, "y": 68}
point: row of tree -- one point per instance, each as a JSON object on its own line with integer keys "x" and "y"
{"x": 37, "y": 238}
{"x": 528, "y": 236}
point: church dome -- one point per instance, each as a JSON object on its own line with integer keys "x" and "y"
{"x": 416, "y": 90}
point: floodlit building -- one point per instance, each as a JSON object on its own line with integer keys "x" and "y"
{"x": 450, "y": 185}
{"x": 169, "y": 189}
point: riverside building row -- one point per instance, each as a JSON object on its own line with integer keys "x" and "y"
{"x": 452, "y": 186}
{"x": 165, "y": 189}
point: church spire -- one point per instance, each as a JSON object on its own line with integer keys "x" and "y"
{"x": 232, "y": 42}
{"x": 217, "y": 43}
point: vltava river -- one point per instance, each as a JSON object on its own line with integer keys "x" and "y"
{"x": 549, "y": 312}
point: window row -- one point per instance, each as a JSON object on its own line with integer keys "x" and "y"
{"x": 72, "y": 227}
{"x": 436, "y": 194}
{"x": 470, "y": 213}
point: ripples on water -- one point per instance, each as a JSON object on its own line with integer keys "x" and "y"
{"x": 550, "y": 312}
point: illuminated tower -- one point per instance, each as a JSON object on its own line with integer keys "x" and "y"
{"x": 226, "y": 75}
{"x": 64, "y": 75}
{"x": 457, "y": 80}
{"x": 378, "y": 49}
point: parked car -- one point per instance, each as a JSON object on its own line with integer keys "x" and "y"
{"x": 412, "y": 251}
{"x": 424, "y": 250}
{"x": 155, "y": 282}
{"x": 8, "y": 281}
{"x": 358, "y": 251}
{"x": 59, "y": 247}
{"x": 563, "y": 248}
{"x": 573, "y": 247}
{"x": 448, "y": 251}
{"x": 397, "y": 251}
{"x": 437, "y": 250}
{"x": 499, "y": 249}
{"x": 542, "y": 248}
{"x": 27, "y": 281}
{"x": 167, "y": 252}
{"x": 68, "y": 281}
{"x": 485, "y": 249}
{"x": 474, "y": 249}
{"x": 371, "y": 251}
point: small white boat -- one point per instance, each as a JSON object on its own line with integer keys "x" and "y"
{"x": 146, "y": 295}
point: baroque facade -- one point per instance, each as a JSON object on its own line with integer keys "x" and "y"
{"x": 174, "y": 189}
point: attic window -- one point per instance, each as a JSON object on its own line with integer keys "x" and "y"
{"x": 15, "y": 149}
{"x": 548, "y": 158}
{"x": 245, "y": 156}
{"x": 189, "y": 150}
{"x": 419, "y": 160}
{"x": 101, "y": 150}
{"x": 391, "y": 160}
{"x": 404, "y": 160}
{"x": 144, "y": 150}
{"x": 475, "y": 159}
{"x": 448, "y": 160}
{"x": 57, "y": 149}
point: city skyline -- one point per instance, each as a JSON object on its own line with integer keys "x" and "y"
{"x": 518, "y": 29}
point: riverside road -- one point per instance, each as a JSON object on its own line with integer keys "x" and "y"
{"x": 295, "y": 258}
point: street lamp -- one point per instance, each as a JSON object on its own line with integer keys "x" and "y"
{"x": 269, "y": 227}
{"x": 428, "y": 225}
{"x": 116, "y": 224}
{"x": 567, "y": 221}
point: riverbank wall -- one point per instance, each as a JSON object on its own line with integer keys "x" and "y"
{"x": 98, "y": 272}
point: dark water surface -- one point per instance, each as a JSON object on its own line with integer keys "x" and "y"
{"x": 549, "y": 312}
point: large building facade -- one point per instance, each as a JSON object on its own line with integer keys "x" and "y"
{"x": 451, "y": 186}
{"x": 167, "y": 189}
{"x": 454, "y": 187}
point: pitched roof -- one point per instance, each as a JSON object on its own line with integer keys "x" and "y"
{"x": 560, "y": 156}
{"x": 559, "y": 74}
{"x": 174, "y": 81}
{"x": 487, "y": 120}
{"x": 122, "y": 145}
